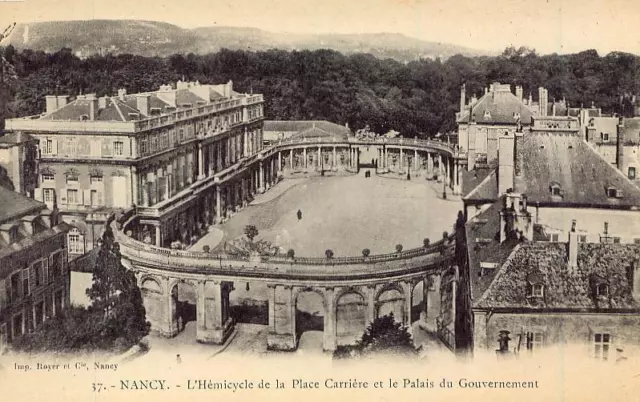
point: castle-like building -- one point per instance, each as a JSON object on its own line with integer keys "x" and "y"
{"x": 186, "y": 155}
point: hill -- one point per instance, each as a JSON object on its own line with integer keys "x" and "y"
{"x": 151, "y": 38}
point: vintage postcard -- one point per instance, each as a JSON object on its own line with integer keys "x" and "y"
{"x": 378, "y": 200}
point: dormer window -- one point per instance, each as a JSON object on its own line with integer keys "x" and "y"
{"x": 605, "y": 137}
{"x": 84, "y": 117}
{"x": 613, "y": 192}
{"x": 556, "y": 189}
{"x": 487, "y": 114}
{"x": 602, "y": 290}
{"x": 536, "y": 285}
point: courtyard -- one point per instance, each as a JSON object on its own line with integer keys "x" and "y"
{"x": 345, "y": 214}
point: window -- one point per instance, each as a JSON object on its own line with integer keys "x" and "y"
{"x": 38, "y": 313}
{"x": 48, "y": 195}
{"x": 554, "y": 237}
{"x": 72, "y": 179}
{"x": 96, "y": 198}
{"x": 602, "y": 343}
{"x": 535, "y": 340}
{"x": 612, "y": 192}
{"x": 537, "y": 290}
{"x": 118, "y": 148}
{"x": 37, "y": 270}
{"x": 72, "y": 196}
{"x": 616, "y": 240}
{"x": 95, "y": 179}
{"x": 55, "y": 267}
{"x": 75, "y": 242}
{"x": 582, "y": 238}
{"x": 47, "y": 147}
{"x": 17, "y": 327}
{"x": 605, "y": 137}
{"x": 632, "y": 173}
{"x": 47, "y": 177}
{"x": 555, "y": 190}
{"x": 26, "y": 289}
{"x": 636, "y": 241}
{"x": 602, "y": 290}
{"x": 143, "y": 146}
{"x": 15, "y": 287}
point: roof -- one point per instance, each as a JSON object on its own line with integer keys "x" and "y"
{"x": 485, "y": 190}
{"x": 15, "y": 138}
{"x": 302, "y": 125}
{"x": 472, "y": 178}
{"x": 15, "y": 205}
{"x": 483, "y": 246}
{"x": 115, "y": 110}
{"x": 564, "y": 288}
{"x": 32, "y": 240}
{"x": 502, "y": 106}
{"x": 581, "y": 172}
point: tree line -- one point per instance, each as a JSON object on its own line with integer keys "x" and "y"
{"x": 418, "y": 98}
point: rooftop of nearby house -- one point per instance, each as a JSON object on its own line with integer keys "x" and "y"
{"x": 498, "y": 106}
{"x": 564, "y": 287}
{"x": 14, "y": 205}
{"x": 12, "y": 139}
{"x": 564, "y": 161}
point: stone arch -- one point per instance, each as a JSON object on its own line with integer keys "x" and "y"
{"x": 150, "y": 283}
{"x": 183, "y": 302}
{"x": 418, "y": 298}
{"x": 350, "y": 315}
{"x": 307, "y": 318}
{"x": 391, "y": 300}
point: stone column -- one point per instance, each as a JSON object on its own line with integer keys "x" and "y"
{"x": 329, "y": 341}
{"x": 386, "y": 157}
{"x": 282, "y": 335}
{"x": 371, "y": 304}
{"x": 406, "y": 289}
{"x": 245, "y": 143}
{"x": 151, "y": 179}
{"x": 212, "y": 299}
{"x": 291, "y": 159}
{"x": 261, "y": 188}
{"x": 456, "y": 178}
{"x": 158, "y": 236}
{"x": 304, "y": 155}
{"x": 415, "y": 160}
{"x": 334, "y": 161}
{"x": 161, "y": 308}
{"x": 134, "y": 186}
{"x": 401, "y": 162}
{"x": 200, "y": 163}
{"x": 279, "y": 160}
{"x": 447, "y": 172}
{"x": 218, "y": 204}
{"x": 429, "y": 164}
{"x": 319, "y": 162}
{"x": 440, "y": 169}
{"x": 169, "y": 176}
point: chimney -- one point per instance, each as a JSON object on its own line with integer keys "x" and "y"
{"x": 473, "y": 100}
{"x": 491, "y": 87}
{"x": 573, "y": 247}
{"x": 62, "y": 101}
{"x": 506, "y": 160}
{"x": 122, "y": 93}
{"x": 463, "y": 97}
{"x": 519, "y": 92}
{"x": 142, "y": 104}
{"x": 620, "y": 144}
{"x": 227, "y": 89}
{"x": 93, "y": 106}
{"x": 167, "y": 95}
{"x": 102, "y": 102}
{"x": 51, "y": 103}
{"x": 543, "y": 100}
{"x": 530, "y": 101}
{"x": 515, "y": 219}
{"x": 553, "y": 108}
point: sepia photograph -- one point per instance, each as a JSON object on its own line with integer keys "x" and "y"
{"x": 290, "y": 199}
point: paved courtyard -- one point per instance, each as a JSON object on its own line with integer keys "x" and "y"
{"x": 346, "y": 215}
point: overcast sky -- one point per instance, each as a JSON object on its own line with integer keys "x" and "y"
{"x": 563, "y": 26}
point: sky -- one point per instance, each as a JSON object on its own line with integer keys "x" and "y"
{"x": 561, "y": 26}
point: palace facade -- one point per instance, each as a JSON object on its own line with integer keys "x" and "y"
{"x": 34, "y": 279}
{"x": 186, "y": 156}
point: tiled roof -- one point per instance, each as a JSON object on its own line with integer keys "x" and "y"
{"x": 301, "y": 125}
{"x": 185, "y": 96}
{"x": 483, "y": 246}
{"x": 154, "y": 103}
{"x": 582, "y": 173}
{"x": 564, "y": 288}
{"x": 14, "y": 205}
{"x": 501, "y": 106}
{"x": 315, "y": 132}
{"x": 15, "y": 138}
{"x": 115, "y": 110}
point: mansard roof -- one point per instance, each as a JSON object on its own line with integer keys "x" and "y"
{"x": 15, "y": 205}
{"x": 299, "y": 126}
{"x": 503, "y": 108}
